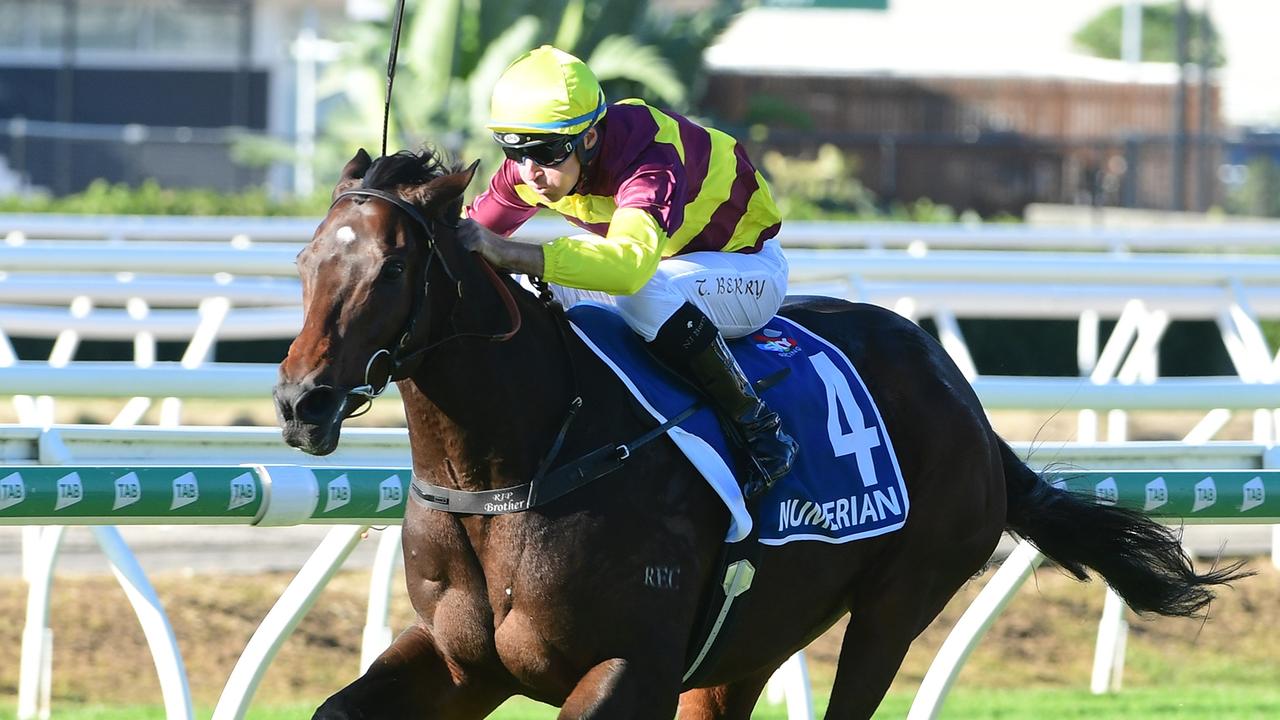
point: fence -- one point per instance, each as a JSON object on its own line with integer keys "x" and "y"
{"x": 241, "y": 231}
{"x": 1184, "y": 497}
{"x": 355, "y": 497}
{"x": 233, "y": 278}
{"x": 165, "y": 288}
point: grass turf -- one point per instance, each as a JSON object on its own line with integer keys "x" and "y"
{"x": 1220, "y": 702}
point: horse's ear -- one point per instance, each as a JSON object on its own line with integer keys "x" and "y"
{"x": 353, "y": 173}
{"x": 443, "y": 189}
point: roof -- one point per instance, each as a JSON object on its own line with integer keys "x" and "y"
{"x": 990, "y": 39}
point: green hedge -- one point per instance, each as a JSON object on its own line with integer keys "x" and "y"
{"x": 1048, "y": 347}
{"x": 149, "y": 198}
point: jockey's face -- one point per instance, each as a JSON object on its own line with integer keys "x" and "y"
{"x": 553, "y": 183}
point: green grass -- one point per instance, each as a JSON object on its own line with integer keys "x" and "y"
{"x": 1219, "y": 702}
{"x": 1235, "y": 702}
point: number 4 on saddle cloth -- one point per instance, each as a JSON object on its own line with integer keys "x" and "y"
{"x": 845, "y": 483}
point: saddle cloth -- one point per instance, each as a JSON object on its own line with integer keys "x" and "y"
{"x": 845, "y": 483}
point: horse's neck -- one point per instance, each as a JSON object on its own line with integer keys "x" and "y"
{"x": 482, "y": 414}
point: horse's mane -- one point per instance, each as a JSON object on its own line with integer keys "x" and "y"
{"x": 410, "y": 169}
{"x": 407, "y": 168}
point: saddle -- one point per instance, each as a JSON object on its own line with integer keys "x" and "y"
{"x": 844, "y": 486}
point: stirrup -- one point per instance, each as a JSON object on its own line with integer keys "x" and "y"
{"x": 757, "y": 482}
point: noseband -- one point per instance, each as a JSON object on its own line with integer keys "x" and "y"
{"x": 397, "y": 356}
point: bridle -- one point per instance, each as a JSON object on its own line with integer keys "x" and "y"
{"x": 396, "y": 356}
{"x": 399, "y": 354}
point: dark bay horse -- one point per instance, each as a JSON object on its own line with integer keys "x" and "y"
{"x": 556, "y": 603}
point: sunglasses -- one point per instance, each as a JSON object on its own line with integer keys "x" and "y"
{"x": 545, "y": 153}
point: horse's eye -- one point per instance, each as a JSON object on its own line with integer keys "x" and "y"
{"x": 391, "y": 270}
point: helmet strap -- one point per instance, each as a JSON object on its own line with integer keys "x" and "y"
{"x": 586, "y": 156}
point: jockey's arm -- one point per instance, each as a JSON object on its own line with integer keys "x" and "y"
{"x": 519, "y": 257}
{"x": 620, "y": 263}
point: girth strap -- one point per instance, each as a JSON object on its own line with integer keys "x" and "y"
{"x": 545, "y": 488}
{"x": 561, "y": 481}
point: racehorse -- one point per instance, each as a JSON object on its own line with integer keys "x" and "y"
{"x": 557, "y": 603}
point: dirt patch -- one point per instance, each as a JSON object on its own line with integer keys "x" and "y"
{"x": 1044, "y": 638}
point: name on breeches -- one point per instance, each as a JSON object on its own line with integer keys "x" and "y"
{"x": 663, "y": 578}
{"x": 731, "y": 286}
{"x": 840, "y": 513}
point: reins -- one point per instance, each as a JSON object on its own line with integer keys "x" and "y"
{"x": 564, "y": 479}
{"x": 397, "y": 357}
{"x": 391, "y": 71}
{"x": 396, "y": 360}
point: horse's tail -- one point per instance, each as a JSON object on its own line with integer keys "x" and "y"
{"x": 1139, "y": 558}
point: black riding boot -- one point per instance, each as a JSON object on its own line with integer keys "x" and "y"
{"x": 690, "y": 344}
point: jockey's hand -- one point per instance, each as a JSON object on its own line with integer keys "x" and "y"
{"x": 472, "y": 235}
{"x": 515, "y": 256}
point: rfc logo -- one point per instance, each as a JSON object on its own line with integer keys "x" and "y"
{"x": 776, "y": 342}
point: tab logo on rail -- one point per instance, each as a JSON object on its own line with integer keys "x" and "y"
{"x": 70, "y": 491}
{"x": 1157, "y": 494}
{"x": 339, "y": 493}
{"x": 1106, "y": 492}
{"x": 1206, "y": 494}
{"x": 185, "y": 490}
{"x": 1255, "y": 493}
{"x": 243, "y": 491}
{"x": 128, "y": 491}
{"x": 390, "y": 493}
{"x": 12, "y": 491}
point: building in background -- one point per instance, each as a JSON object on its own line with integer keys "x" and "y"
{"x": 982, "y": 104}
{"x": 987, "y": 105}
{"x": 134, "y": 89}
{"x": 993, "y": 143}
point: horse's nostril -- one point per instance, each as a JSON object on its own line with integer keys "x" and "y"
{"x": 316, "y": 405}
{"x": 284, "y": 407}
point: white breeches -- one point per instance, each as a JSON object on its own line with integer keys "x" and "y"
{"x": 738, "y": 292}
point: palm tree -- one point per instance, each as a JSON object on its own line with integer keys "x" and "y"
{"x": 452, "y": 52}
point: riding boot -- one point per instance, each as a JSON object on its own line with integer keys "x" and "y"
{"x": 690, "y": 345}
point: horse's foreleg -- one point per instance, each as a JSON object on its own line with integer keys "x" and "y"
{"x": 413, "y": 679}
{"x": 616, "y": 689}
{"x": 733, "y": 701}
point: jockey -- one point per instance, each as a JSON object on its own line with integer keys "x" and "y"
{"x": 679, "y": 229}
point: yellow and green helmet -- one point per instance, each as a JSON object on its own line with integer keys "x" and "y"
{"x": 544, "y": 92}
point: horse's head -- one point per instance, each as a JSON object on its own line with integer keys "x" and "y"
{"x": 364, "y": 279}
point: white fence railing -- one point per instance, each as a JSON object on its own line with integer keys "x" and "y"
{"x": 876, "y": 236}
{"x": 199, "y": 281}
{"x": 106, "y": 379}
{"x": 150, "y": 291}
{"x": 806, "y": 264}
{"x": 92, "y": 495}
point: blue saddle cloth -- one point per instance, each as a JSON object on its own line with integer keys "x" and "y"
{"x": 845, "y": 484}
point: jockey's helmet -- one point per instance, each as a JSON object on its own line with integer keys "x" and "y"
{"x": 542, "y": 105}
